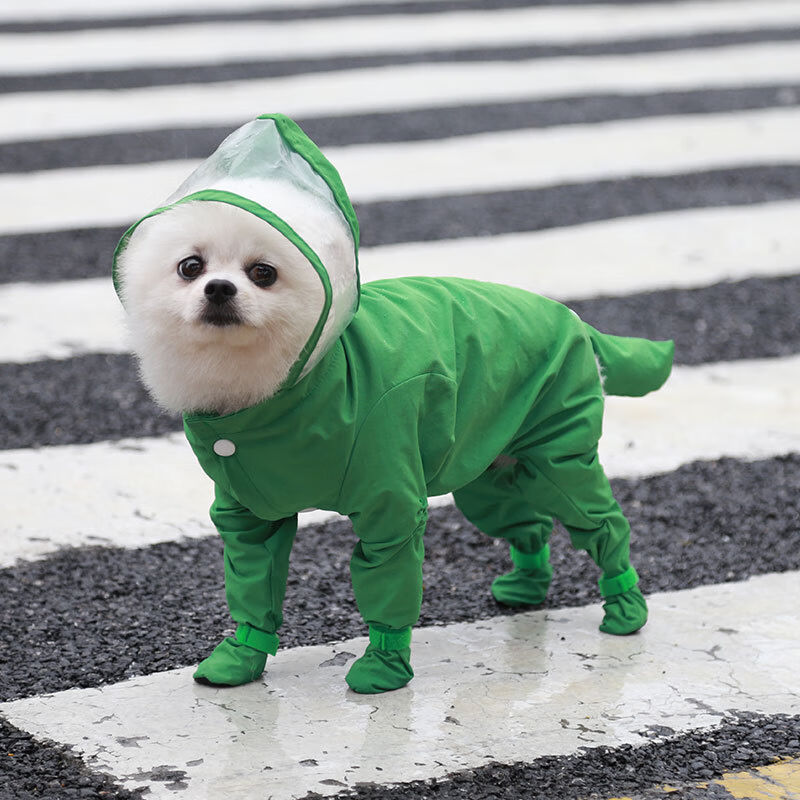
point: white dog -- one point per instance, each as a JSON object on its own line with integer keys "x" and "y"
{"x": 220, "y": 306}
{"x": 300, "y": 388}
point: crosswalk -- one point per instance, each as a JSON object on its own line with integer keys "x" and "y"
{"x": 636, "y": 160}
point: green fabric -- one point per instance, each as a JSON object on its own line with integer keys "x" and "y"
{"x": 624, "y": 613}
{"x": 530, "y": 561}
{"x": 618, "y": 584}
{"x": 387, "y": 639}
{"x": 258, "y": 640}
{"x": 256, "y": 559}
{"x": 416, "y": 399}
{"x": 231, "y": 664}
{"x": 380, "y": 670}
{"x": 528, "y": 582}
{"x": 631, "y": 367}
{"x": 522, "y": 587}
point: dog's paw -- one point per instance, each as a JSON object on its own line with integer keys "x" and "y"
{"x": 380, "y": 671}
{"x": 625, "y": 613}
{"x": 523, "y": 587}
{"x": 231, "y": 664}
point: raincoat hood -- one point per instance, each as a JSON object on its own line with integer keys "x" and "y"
{"x": 270, "y": 168}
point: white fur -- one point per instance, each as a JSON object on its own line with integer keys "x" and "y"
{"x": 191, "y": 365}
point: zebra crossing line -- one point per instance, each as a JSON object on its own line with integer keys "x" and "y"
{"x": 504, "y": 689}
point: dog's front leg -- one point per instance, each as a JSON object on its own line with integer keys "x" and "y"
{"x": 256, "y": 569}
{"x": 386, "y": 570}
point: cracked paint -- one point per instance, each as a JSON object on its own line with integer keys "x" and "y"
{"x": 130, "y": 741}
{"x": 339, "y": 659}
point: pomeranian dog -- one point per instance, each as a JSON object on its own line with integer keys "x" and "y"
{"x": 300, "y": 388}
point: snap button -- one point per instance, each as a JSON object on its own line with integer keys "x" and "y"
{"x": 224, "y": 447}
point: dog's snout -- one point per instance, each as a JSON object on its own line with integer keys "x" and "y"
{"x": 219, "y": 291}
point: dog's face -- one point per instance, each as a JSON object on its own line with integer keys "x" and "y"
{"x": 217, "y": 271}
{"x": 216, "y": 295}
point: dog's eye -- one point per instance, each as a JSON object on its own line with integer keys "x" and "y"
{"x": 262, "y": 274}
{"x": 190, "y": 268}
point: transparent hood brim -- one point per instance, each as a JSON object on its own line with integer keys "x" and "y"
{"x": 276, "y": 222}
{"x": 297, "y": 140}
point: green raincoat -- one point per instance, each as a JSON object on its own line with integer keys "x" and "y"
{"x": 408, "y": 388}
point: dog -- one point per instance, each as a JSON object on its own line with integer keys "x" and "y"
{"x": 301, "y": 388}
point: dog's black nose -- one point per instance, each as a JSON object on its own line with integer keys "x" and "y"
{"x": 219, "y": 291}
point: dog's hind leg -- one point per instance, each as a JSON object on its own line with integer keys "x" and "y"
{"x": 494, "y": 504}
{"x": 576, "y": 491}
{"x": 558, "y": 473}
{"x": 559, "y": 468}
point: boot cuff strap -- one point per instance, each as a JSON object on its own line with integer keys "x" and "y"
{"x": 258, "y": 640}
{"x": 621, "y": 583}
{"x": 385, "y": 639}
{"x": 530, "y": 560}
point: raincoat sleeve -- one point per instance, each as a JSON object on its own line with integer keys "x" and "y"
{"x": 256, "y": 560}
{"x": 385, "y": 493}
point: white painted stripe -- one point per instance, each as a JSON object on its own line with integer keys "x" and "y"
{"x": 569, "y": 154}
{"x": 50, "y": 115}
{"x": 47, "y": 10}
{"x": 677, "y": 249}
{"x": 739, "y": 409}
{"x": 685, "y": 249}
{"x": 217, "y": 42}
{"x": 742, "y": 409}
{"x": 96, "y": 196}
{"x": 506, "y": 689}
{"x": 60, "y": 320}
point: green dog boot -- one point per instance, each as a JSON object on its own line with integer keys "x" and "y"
{"x": 386, "y": 663}
{"x": 625, "y": 607}
{"x": 237, "y": 661}
{"x": 528, "y": 582}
